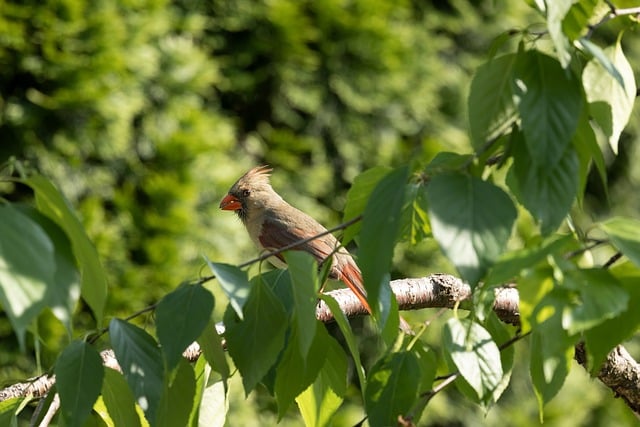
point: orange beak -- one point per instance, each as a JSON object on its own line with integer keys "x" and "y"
{"x": 230, "y": 203}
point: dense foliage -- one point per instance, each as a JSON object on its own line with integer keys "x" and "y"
{"x": 123, "y": 123}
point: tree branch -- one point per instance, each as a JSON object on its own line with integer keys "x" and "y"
{"x": 619, "y": 372}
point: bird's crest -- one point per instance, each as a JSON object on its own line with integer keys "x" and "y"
{"x": 259, "y": 174}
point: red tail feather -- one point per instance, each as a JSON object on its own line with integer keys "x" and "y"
{"x": 351, "y": 276}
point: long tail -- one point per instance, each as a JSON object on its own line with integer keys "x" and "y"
{"x": 352, "y": 277}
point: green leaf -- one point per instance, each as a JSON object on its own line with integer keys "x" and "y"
{"x": 8, "y": 409}
{"x": 414, "y": 225}
{"x": 141, "y": 363}
{"x": 27, "y": 268}
{"x": 491, "y": 107}
{"x": 322, "y": 399}
{"x": 118, "y": 399}
{"x": 263, "y": 328}
{"x": 380, "y": 226}
{"x": 178, "y": 397}
{"x": 601, "y": 57}
{"x": 214, "y": 405}
{"x": 357, "y": 198}
{"x": 600, "y": 297}
{"x": 63, "y": 292}
{"x": 601, "y": 339}
{"x": 392, "y": 388}
{"x": 470, "y": 349}
{"x": 551, "y": 348}
{"x": 295, "y": 371}
{"x": 549, "y": 101}
{"x": 303, "y": 270}
{"x": 556, "y": 12}
{"x": 589, "y": 153}
{"x": 610, "y": 102}
{"x": 94, "y": 279}
{"x": 181, "y": 316}
{"x": 471, "y": 220}
{"x": 577, "y": 19}
{"x": 79, "y": 374}
{"x": 625, "y": 236}
{"x": 500, "y": 335}
{"x": 547, "y": 191}
{"x": 509, "y": 266}
{"x": 343, "y": 324}
{"x": 234, "y": 283}
{"x": 211, "y": 345}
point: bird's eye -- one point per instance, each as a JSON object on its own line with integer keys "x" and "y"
{"x": 246, "y": 193}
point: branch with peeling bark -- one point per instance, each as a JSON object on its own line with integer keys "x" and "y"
{"x": 620, "y": 372}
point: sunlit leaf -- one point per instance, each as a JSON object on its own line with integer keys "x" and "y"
{"x": 119, "y": 400}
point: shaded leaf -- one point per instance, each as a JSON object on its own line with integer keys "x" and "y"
{"x": 141, "y": 363}
{"x": 491, "y": 107}
{"x": 94, "y": 279}
{"x": 119, "y": 400}
{"x": 625, "y": 236}
{"x": 471, "y": 219}
{"x": 263, "y": 328}
{"x": 234, "y": 283}
{"x": 358, "y": 196}
{"x": 547, "y": 191}
{"x": 79, "y": 374}
{"x": 178, "y": 397}
{"x": 549, "y": 100}
{"x": 181, "y": 317}
{"x": 27, "y": 268}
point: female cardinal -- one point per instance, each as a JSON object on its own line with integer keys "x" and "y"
{"x": 273, "y": 223}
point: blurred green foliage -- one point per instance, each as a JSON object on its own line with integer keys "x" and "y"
{"x": 145, "y": 111}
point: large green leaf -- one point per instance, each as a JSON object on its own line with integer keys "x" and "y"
{"x": 393, "y": 387}
{"x": 471, "y": 219}
{"x": 141, "y": 363}
{"x": 549, "y": 101}
{"x": 551, "y": 348}
{"x": 547, "y": 191}
{"x": 79, "y": 374}
{"x": 414, "y": 225}
{"x": 234, "y": 283}
{"x": 610, "y": 103}
{"x": 118, "y": 399}
{"x": 262, "y": 329}
{"x": 178, "y": 397}
{"x": 589, "y": 154}
{"x": 27, "y": 268}
{"x": 211, "y": 345}
{"x": 181, "y": 316}
{"x": 470, "y": 349}
{"x": 491, "y": 107}
{"x": 303, "y": 270}
{"x": 63, "y": 293}
{"x": 380, "y": 226}
{"x": 343, "y": 324}
{"x": 601, "y": 339}
{"x": 625, "y": 236}
{"x": 357, "y": 198}
{"x": 578, "y": 18}
{"x": 8, "y": 409}
{"x": 322, "y": 399}
{"x": 94, "y": 279}
{"x": 599, "y": 297}
{"x": 295, "y": 371}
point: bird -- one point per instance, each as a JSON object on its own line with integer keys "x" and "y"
{"x": 272, "y": 224}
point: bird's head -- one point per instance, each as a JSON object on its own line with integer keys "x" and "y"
{"x": 250, "y": 193}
